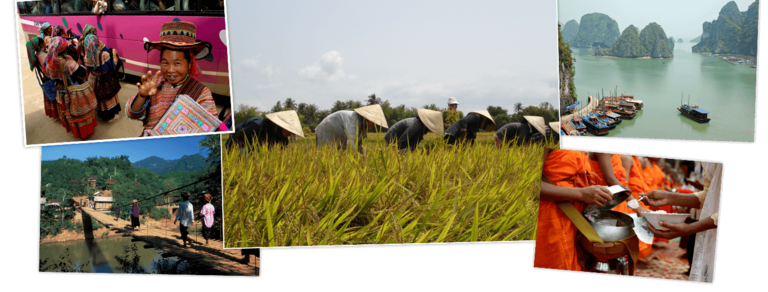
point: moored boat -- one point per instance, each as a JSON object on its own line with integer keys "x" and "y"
{"x": 595, "y": 126}
{"x": 693, "y": 112}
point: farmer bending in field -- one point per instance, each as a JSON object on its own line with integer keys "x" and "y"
{"x": 407, "y": 133}
{"x": 531, "y": 130}
{"x": 273, "y": 129}
{"x": 465, "y": 129}
{"x": 344, "y": 128}
{"x": 567, "y": 178}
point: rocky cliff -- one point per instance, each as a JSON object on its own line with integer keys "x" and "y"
{"x": 650, "y": 42}
{"x": 570, "y": 30}
{"x": 567, "y": 71}
{"x": 596, "y": 29}
{"x": 733, "y": 32}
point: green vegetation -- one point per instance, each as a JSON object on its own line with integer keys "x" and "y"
{"x": 162, "y": 166}
{"x": 570, "y": 30}
{"x": 64, "y": 178}
{"x": 596, "y": 29}
{"x": 733, "y": 32}
{"x": 672, "y": 43}
{"x": 696, "y": 40}
{"x": 310, "y": 116}
{"x": 301, "y": 195}
{"x": 650, "y": 42}
{"x": 566, "y": 72}
{"x": 160, "y": 213}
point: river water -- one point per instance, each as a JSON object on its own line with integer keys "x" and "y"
{"x": 98, "y": 255}
{"x": 725, "y": 90}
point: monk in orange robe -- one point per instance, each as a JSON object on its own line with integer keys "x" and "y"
{"x": 637, "y": 185}
{"x": 556, "y": 234}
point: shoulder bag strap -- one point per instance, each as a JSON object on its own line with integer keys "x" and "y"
{"x": 580, "y": 222}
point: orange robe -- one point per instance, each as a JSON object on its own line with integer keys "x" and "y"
{"x": 556, "y": 234}
{"x": 637, "y": 185}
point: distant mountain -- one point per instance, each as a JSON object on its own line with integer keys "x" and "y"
{"x": 733, "y": 32}
{"x": 680, "y": 40}
{"x": 570, "y": 30}
{"x": 696, "y": 40}
{"x": 162, "y": 166}
{"x": 596, "y": 29}
{"x": 650, "y": 42}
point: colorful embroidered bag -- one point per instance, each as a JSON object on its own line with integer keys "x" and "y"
{"x": 107, "y": 84}
{"x": 81, "y": 100}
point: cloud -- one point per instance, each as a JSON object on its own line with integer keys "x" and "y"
{"x": 327, "y": 68}
{"x": 251, "y": 63}
{"x": 270, "y": 70}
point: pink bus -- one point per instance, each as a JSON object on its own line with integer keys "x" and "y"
{"x": 127, "y": 24}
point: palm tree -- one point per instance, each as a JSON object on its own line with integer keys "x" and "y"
{"x": 372, "y": 99}
{"x": 518, "y": 107}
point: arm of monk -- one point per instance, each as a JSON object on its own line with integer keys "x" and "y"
{"x": 606, "y": 167}
{"x": 593, "y": 195}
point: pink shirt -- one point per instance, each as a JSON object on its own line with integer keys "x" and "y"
{"x": 208, "y": 211}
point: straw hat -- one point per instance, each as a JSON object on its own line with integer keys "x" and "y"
{"x": 135, "y": 201}
{"x": 432, "y": 119}
{"x": 452, "y": 100}
{"x": 374, "y": 114}
{"x": 180, "y": 35}
{"x": 288, "y": 120}
{"x": 538, "y": 123}
{"x": 487, "y": 115}
{"x": 555, "y": 126}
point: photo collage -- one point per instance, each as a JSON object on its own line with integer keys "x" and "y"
{"x": 442, "y": 141}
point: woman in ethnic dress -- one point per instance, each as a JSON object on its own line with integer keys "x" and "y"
{"x": 99, "y": 59}
{"x": 76, "y": 116}
{"x": 178, "y": 75}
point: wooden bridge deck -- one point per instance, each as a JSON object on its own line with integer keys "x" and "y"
{"x": 224, "y": 261}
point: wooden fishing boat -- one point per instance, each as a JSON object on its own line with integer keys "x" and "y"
{"x": 595, "y": 126}
{"x": 579, "y": 125}
{"x": 693, "y": 112}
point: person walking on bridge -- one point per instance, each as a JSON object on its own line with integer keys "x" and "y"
{"x": 135, "y": 215}
{"x": 184, "y": 216}
{"x": 207, "y": 213}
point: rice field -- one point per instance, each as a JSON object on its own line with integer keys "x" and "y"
{"x": 304, "y": 196}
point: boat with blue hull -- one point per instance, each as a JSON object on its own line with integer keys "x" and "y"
{"x": 693, "y": 112}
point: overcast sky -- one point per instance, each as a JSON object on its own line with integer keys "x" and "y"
{"x": 681, "y": 19}
{"x": 408, "y": 52}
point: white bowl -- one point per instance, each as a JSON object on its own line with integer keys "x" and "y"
{"x": 654, "y": 219}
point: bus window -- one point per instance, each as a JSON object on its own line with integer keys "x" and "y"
{"x": 76, "y": 6}
{"x": 36, "y": 7}
{"x": 180, "y": 5}
{"x": 126, "y": 5}
{"x": 213, "y": 6}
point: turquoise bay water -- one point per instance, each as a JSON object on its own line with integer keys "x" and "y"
{"x": 725, "y": 90}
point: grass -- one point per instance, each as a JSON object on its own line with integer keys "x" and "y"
{"x": 301, "y": 195}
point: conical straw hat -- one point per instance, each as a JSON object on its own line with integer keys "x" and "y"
{"x": 432, "y": 119}
{"x": 555, "y": 126}
{"x": 288, "y": 120}
{"x": 538, "y": 123}
{"x": 374, "y": 114}
{"x": 487, "y": 115}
